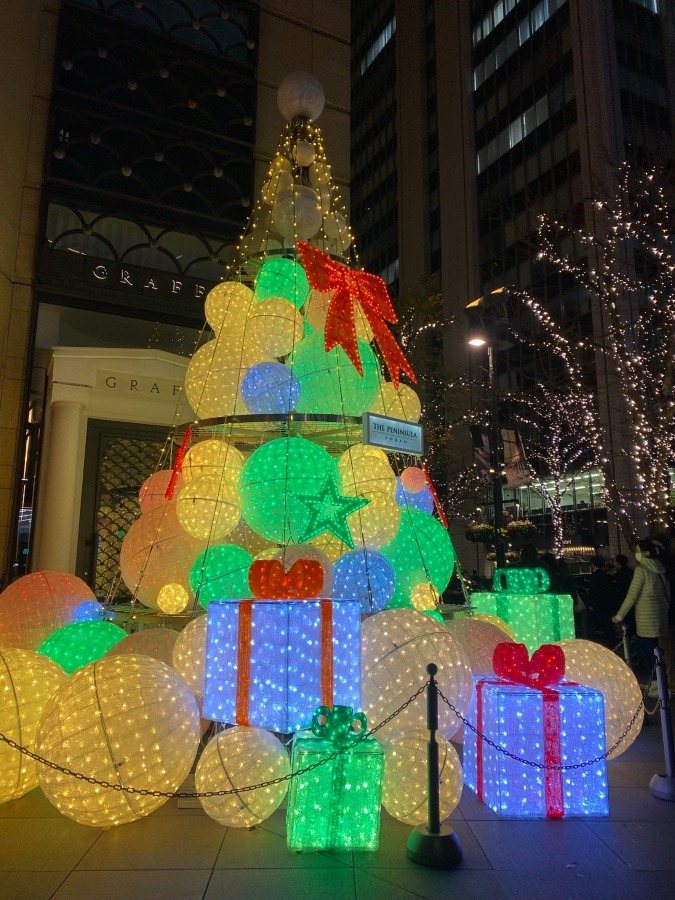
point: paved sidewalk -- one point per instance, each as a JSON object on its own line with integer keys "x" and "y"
{"x": 181, "y": 854}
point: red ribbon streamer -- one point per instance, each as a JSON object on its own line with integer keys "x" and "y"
{"x": 546, "y": 667}
{"x": 327, "y": 653}
{"x": 243, "y": 695}
{"x": 437, "y": 502}
{"x": 178, "y": 464}
{"x": 370, "y": 292}
{"x": 243, "y": 686}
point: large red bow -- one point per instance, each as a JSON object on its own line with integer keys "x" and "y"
{"x": 547, "y": 665}
{"x": 370, "y": 292}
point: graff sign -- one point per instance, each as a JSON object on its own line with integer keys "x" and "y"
{"x": 152, "y": 282}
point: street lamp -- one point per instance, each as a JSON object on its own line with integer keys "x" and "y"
{"x": 484, "y": 338}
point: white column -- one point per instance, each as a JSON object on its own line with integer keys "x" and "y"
{"x": 61, "y": 480}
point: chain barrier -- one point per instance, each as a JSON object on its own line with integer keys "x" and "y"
{"x": 183, "y": 795}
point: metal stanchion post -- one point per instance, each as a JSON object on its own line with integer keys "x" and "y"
{"x": 663, "y": 786}
{"x": 433, "y": 844}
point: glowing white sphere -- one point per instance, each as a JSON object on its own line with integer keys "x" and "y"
{"x": 396, "y": 647}
{"x": 597, "y": 667}
{"x": 404, "y": 790}
{"x": 27, "y": 681}
{"x": 275, "y": 326}
{"x": 478, "y": 639}
{"x": 212, "y": 457}
{"x": 127, "y": 720}
{"x": 236, "y": 758}
{"x": 156, "y": 552}
{"x": 279, "y": 181}
{"x": 153, "y": 490}
{"x": 155, "y": 642}
{"x": 300, "y": 94}
{"x": 337, "y": 231}
{"x": 227, "y": 307}
{"x": 209, "y": 507}
{"x": 297, "y": 213}
{"x": 304, "y": 153}
{"x": 399, "y": 404}
{"x": 189, "y": 655}
{"x": 363, "y": 472}
{"x": 214, "y": 375}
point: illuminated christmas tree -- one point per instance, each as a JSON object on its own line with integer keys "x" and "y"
{"x": 275, "y": 465}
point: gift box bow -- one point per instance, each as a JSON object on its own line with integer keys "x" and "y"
{"x": 546, "y": 667}
{"x": 268, "y": 579}
{"x": 370, "y": 292}
{"x": 340, "y": 724}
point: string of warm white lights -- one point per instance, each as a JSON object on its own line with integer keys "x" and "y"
{"x": 630, "y": 277}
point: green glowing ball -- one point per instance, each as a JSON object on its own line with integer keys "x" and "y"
{"x": 282, "y": 277}
{"x": 275, "y": 482}
{"x": 221, "y": 573}
{"x": 329, "y": 383}
{"x": 79, "y": 643}
{"x": 421, "y": 551}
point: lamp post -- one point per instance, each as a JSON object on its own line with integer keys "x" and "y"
{"x": 496, "y": 453}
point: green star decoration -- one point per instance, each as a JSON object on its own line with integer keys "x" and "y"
{"x": 328, "y": 511}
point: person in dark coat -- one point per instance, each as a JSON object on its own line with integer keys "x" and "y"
{"x": 601, "y": 604}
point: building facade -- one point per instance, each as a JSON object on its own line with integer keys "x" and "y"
{"x": 504, "y": 110}
{"x": 139, "y": 133}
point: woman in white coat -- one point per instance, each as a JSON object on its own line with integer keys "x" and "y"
{"x": 649, "y": 593}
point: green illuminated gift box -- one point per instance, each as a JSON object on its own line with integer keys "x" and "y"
{"x": 335, "y": 806}
{"x": 521, "y": 599}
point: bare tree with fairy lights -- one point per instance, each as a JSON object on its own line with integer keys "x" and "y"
{"x": 627, "y": 268}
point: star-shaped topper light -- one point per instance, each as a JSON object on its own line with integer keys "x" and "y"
{"x": 328, "y": 511}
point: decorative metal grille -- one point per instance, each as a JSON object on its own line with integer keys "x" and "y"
{"x": 124, "y": 465}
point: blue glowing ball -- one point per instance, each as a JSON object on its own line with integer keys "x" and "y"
{"x": 270, "y": 387}
{"x": 88, "y": 611}
{"x": 421, "y": 500}
{"x": 366, "y": 576}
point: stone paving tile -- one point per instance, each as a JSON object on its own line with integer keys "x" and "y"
{"x": 434, "y": 884}
{"x": 641, "y": 845}
{"x": 159, "y": 843}
{"x": 392, "y": 852}
{"x": 545, "y": 846}
{"x": 282, "y": 884}
{"x": 575, "y": 885}
{"x": 43, "y": 845}
{"x": 30, "y": 885}
{"x": 149, "y": 885}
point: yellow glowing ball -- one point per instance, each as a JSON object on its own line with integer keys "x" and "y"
{"x": 189, "y": 654}
{"x": 153, "y": 490}
{"x": 214, "y": 375}
{"x": 330, "y": 545}
{"x": 244, "y": 536}
{"x": 212, "y": 457}
{"x": 362, "y": 473}
{"x": 424, "y": 596}
{"x": 316, "y": 312}
{"x": 596, "y": 666}
{"x": 35, "y": 605}
{"x": 236, "y": 758}
{"x": 27, "y": 681}
{"x": 503, "y": 626}
{"x": 173, "y": 599}
{"x": 127, "y": 720}
{"x": 404, "y": 790}
{"x": 274, "y": 326}
{"x": 155, "y": 642}
{"x": 399, "y": 404}
{"x": 209, "y": 507}
{"x": 296, "y": 214}
{"x": 396, "y": 647}
{"x": 377, "y": 523}
{"x": 227, "y": 307}
{"x": 157, "y": 551}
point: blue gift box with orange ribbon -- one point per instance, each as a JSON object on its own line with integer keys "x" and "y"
{"x": 271, "y": 663}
